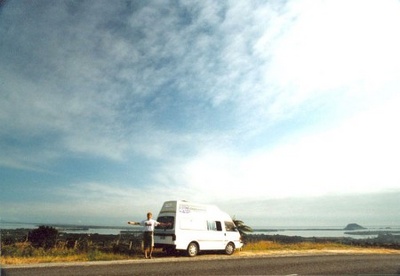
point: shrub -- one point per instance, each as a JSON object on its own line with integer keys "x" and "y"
{"x": 44, "y": 236}
{"x": 17, "y": 250}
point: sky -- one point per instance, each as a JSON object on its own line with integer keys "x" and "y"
{"x": 278, "y": 112}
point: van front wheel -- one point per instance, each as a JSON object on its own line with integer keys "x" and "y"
{"x": 230, "y": 248}
{"x": 193, "y": 249}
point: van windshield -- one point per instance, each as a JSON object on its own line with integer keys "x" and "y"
{"x": 230, "y": 226}
{"x": 168, "y": 220}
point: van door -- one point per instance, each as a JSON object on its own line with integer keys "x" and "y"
{"x": 215, "y": 236}
{"x": 231, "y": 233}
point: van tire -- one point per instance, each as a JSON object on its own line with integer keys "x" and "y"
{"x": 230, "y": 248}
{"x": 192, "y": 249}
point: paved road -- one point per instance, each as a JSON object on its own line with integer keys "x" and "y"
{"x": 288, "y": 265}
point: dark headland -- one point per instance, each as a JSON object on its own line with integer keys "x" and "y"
{"x": 354, "y": 226}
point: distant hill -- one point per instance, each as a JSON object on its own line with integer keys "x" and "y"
{"x": 353, "y": 226}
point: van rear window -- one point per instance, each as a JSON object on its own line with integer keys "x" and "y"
{"x": 168, "y": 220}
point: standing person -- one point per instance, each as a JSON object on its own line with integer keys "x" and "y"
{"x": 148, "y": 233}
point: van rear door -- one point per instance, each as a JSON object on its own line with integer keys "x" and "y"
{"x": 165, "y": 234}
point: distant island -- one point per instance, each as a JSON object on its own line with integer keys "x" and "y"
{"x": 354, "y": 226}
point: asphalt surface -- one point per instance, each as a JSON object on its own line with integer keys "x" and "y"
{"x": 264, "y": 265}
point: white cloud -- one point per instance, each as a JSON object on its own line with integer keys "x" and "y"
{"x": 88, "y": 203}
{"x": 331, "y": 44}
{"x": 148, "y": 84}
{"x": 358, "y": 156}
{"x": 330, "y": 50}
{"x": 98, "y": 90}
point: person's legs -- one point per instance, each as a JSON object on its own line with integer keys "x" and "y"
{"x": 147, "y": 244}
{"x": 151, "y": 245}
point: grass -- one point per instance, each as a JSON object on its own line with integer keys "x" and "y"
{"x": 24, "y": 253}
{"x": 82, "y": 257}
{"x": 270, "y": 245}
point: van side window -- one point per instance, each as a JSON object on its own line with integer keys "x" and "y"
{"x": 211, "y": 226}
{"x": 230, "y": 226}
{"x": 214, "y": 226}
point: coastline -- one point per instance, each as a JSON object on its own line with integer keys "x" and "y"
{"x": 97, "y": 247}
{"x": 292, "y": 231}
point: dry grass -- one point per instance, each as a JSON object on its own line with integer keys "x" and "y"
{"x": 25, "y": 254}
{"x": 270, "y": 245}
{"x": 275, "y": 248}
{"x": 55, "y": 259}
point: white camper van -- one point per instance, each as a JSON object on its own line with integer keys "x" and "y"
{"x": 193, "y": 227}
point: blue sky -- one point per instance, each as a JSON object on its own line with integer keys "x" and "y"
{"x": 280, "y": 112}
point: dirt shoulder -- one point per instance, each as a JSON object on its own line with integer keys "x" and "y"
{"x": 317, "y": 252}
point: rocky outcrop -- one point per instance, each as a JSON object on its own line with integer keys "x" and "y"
{"x": 353, "y": 226}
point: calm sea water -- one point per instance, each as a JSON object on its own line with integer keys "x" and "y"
{"x": 311, "y": 231}
{"x": 79, "y": 229}
{"x": 327, "y": 232}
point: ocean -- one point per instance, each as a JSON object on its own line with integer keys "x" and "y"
{"x": 311, "y": 231}
{"x": 78, "y": 229}
{"x": 328, "y": 231}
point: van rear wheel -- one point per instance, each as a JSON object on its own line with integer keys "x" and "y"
{"x": 193, "y": 249}
{"x": 230, "y": 248}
